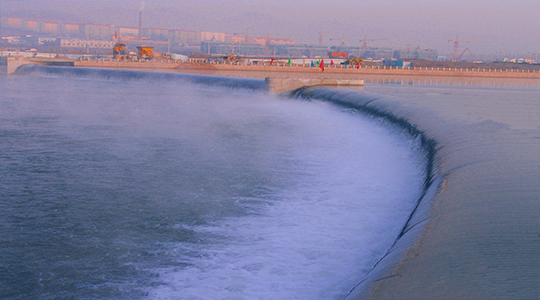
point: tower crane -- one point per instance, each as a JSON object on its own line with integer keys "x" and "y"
{"x": 410, "y": 47}
{"x": 365, "y": 40}
{"x": 342, "y": 39}
{"x": 268, "y": 39}
{"x": 456, "y": 46}
{"x": 321, "y": 33}
{"x": 245, "y": 34}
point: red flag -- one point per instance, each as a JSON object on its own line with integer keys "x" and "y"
{"x": 271, "y": 61}
{"x": 115, "y": 35}
{"x": 358, "y": 65}
{"x": 322, "y": 65}
{"x": 332, "y": 63}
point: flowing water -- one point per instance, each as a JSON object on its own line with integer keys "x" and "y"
{"x": 116, "y": 186}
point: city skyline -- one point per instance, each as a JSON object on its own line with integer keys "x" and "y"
{"x": 501, "y": 27}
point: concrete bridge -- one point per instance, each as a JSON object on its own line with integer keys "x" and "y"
{"x": 257, "y": 69}
{"x": 14, "y": 62}
{"x": 286, "y": 84}
{"x": 275, "y": 84}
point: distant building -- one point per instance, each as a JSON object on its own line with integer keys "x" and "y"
{"x": 69, "y": 29}
{"x": 299, "y": 50}
{"x": 47, "y": 42}
{"x": 183, "y": 40}
{"x": 98, "y": 31}
{"x": 277, "y": 50}
{"x": 13, "y": 23}
{"x": 127, "y": 31}
{"x": 417, "y": 53}
{"x": 237, "y": 39}
{"x": 378, "y": 53}
{"x": 208, "y": 36}
{"x": 58, "y": 28}
{"x": 232, "y": 48}
{"x": 156, "y": 34}
{"x": 185, "y": 37}
{"x": 49, "y": 27}
{"x": 78, "y": 43}
{"x": 14, "y": 40}
{"x": 258, "y": 40}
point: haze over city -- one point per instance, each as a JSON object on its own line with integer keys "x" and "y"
{"x": 501, "y": 27}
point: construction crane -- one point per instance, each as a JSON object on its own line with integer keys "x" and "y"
{"x": 267, "y": 42}
{"x": 418, "y": 45}
{"x": 410, "y": 48}
{"x": 342, "y": 39}
{"x": 456, "y": 46}
{"x": 365, "y": 40}
{"x": 321, "y": 34}
{"x": 245, "y": 34}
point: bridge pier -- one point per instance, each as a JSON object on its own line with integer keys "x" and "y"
{"x": 280, "y": 85}
{"x": 13, "y": 62}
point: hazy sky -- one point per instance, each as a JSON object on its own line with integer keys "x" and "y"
{"x": 504, "y": 26}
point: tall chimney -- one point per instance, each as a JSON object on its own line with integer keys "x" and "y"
{"x": 140, "y": 24}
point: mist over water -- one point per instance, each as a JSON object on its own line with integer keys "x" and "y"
{"x": 162, "y": 190}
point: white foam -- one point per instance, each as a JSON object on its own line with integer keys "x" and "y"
{"x": 347, "y": 197}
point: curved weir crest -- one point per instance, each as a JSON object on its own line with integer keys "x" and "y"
{"x": 411, "y": 231}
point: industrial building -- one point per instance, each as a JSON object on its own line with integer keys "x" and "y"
{"x": 86, "y": 44}
{"x": 417, "y": 53}
{"x": 270, "y": 49}
{"x": 100, "y": 36}
{"x": 46, "y": 27}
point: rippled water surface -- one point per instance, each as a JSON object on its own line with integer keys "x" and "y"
{"x": 120, "y": 189}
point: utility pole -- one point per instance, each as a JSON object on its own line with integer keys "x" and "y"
{"x": 267, "y": 44}
{"x": 141, "y": 7}
{"x": 87, "y": 45}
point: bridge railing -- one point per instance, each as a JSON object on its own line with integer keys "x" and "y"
{"x": 379, "y": 67}
{"x": 373, "y": 67}
{"x": 284, "y": 64}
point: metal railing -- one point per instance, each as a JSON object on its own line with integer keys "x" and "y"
{"x": 308, "y": 65}
{"x": 377, "y": 67}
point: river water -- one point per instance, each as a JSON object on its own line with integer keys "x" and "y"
{"x": 127, "y": 185}
{"x": 117, "y": 186}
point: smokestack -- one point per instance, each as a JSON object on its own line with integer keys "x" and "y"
{"x": 140, "y": 24}
{"x": 140, "y": 19}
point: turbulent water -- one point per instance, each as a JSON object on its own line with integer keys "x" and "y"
{"x": 116, "y": 187}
